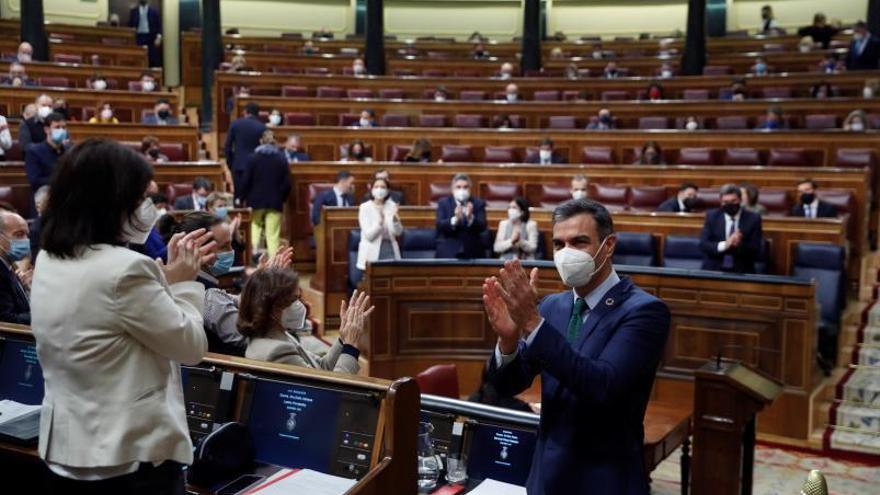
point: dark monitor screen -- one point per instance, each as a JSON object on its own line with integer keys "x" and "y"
{"x": 441, "y": 434}
{"x": 502, "y": 453}
{"x": 201, "y": 394}
{"x": 324, "y": 429}
{"x": 21, "y": 377}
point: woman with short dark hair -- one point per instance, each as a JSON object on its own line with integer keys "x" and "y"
{"x": 111, "y": 326}
{"x": 517, "y": 236}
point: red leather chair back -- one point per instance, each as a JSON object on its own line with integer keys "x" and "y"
{"x": 468, "y": 95}
{"x": 174, "y": 151}
{"x": 653, "y": 123}
{"x": 562, "y": 122}
{"x": 716, "y": 70}
{"x": 54, "y": 82}
{"x": 547, "y": 95}
{"x": 499, "y": 154}
{"x": 457, "y": 153}
{"x": 742, "y": 156}
{"x": 330, "y": 92}
{"x": 318, "y": 71}
{"x": 430, "y": 120}
{"x": 175, "y": 190}
{"x": 696, "y": 156}
{"x": 500, "y": 194}
{"x": 612, "y": 196}
{"x": 732, "y": 122}
{"x": 434, "y": 73}
{"x": 395, "y": 120}
{"x": 348, "y": 119}
{"x": 615, "y": 95}
{"x": 391, "y": 94}
{"x": 775, "y": 200}
{"x": 360, "y": 93}
{"x": 553, "y": 195}
{"x": 777, "y": 92}
{"x": 695, "y": 94}
{"x": 68, "y": 58}
{"x": 470, "y": 121}
{"x": 597, "y": 155}
{"x": 787, "y": 157}
{"x": 399, "y": 152}
{"x": 295, "y": 91}
{"x": 438, "y": 191}
{"x": 440, "y": 379}
{"x": 646, "y": 198}
{"x": 709, "y": 197}
{"x": 820, "y": 121}
{"x": 299, "y": 118}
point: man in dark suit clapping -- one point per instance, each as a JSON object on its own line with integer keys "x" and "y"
{"x": 732, "y": 236}
{"x": 461, "y": 221}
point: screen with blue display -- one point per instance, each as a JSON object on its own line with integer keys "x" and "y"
{"x": 294, "y": 425}
{"x": 21, "y": 377}
{"x": 501, "y": 453}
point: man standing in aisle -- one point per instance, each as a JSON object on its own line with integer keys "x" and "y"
{"x": 147, "y": 23}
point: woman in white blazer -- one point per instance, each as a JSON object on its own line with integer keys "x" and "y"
{"x": 111, "y": 326}
{"x": 380, "y": 226}
{"x": 517, "y": 236}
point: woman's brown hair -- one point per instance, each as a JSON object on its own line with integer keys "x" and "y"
{"x": 266, "y": 293}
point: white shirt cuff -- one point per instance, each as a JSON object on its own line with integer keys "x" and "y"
{"x": 722, "y": 246}
{"x": 503, "y": 359}
{"x": 453, "y": 220}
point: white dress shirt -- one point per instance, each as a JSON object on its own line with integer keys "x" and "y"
{"x": 5, "y": 137}
{"x": 143, "y": 20}
{"x": 592, "y": 299}
{"x": 811, "y": 209}
{"x": 340, "y": 196}
{"x": 728, "y": 220}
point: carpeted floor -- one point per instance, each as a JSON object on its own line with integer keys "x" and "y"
{"x": 782, "y": 472}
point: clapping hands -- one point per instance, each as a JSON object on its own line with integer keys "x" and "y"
{"x": 186, "y": 255}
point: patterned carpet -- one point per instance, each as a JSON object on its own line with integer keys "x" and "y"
{"x": 782, "y": 472}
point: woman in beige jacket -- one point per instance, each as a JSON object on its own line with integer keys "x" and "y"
{"x": 517, "y": 237}
{"x": 111, "y": 326}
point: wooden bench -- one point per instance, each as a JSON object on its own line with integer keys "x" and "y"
{"x": 124, "y": 55}
{"x": 91, "y": 34}
{"x": 128, "y": 106}
{"x": 79, "y": 75}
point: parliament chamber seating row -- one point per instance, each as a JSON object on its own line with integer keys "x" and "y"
{"x": 104, "y": 35}
{"x": 81, "y": 103}
{"x": 81, "y": 75}
{"x": 98, "y": 55}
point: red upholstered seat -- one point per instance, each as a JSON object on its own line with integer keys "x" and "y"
{"x": 395, "y": 120}
{"x": 820, "y": 121}
{"x": 317, "y": 71}
{"x": 67, "y": 58}
{"x": 615, "y": 95}
{"x": 299, "y": 118}
{"x": 456, "y": 153}
{"x": 440, "y": 379}
{"x": 612, "y": 196}
{"x": 173, "y": 191}
{"x": 653, "y": 122}
{"x": 343, "y": 151}
{"x": 439, "y": 191}
{"x": 842, "y": 199}
{"x": 470, "y": 121}
{"x": 777, "y": 92}
{"x": 348, "y": 119}
{"x": 562, "y": 122}
{"x": 716, "y": 70}
{"x": 403, "y": 72}
{"x": 500, "y": 194}
{"x": 294, "y": 91}
{"x": 360, "y": 93}
{"x": 646, "y": 198}
{"x": 431, "y": 120}
{"x": 855, "y": 157}
{"x": 696, "y": 156}
{"x": 787, "y": 157}
{"x": 742, "y": 156}
{"x": 330, "y": 92}
{"x": 774, "y": 47}
{"x": 597, "y": 155}
{"x": 775, "y": 200}
{"x": 695, "y": 94}
{"x": 472, "y": 95}
{"x": 175, "y": 152}
{"x": 467, "y": 73}
{"x": 547, "y": 95}
{"x": 21, "y": 202}
{"x": 553, "y": 195}
{"x": 709, "y": 197}
{"x": 731, "y": 122}
{"x": 391, "y": 94}
{"x": 398, "y": 152}
{"x": 135, "y": 86}
{"x": 434, "y": 73}
{"x": 499, "y": 154}
{"x": 54, "y": 81}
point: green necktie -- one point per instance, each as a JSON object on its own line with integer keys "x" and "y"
{"x": 577, "y": 319}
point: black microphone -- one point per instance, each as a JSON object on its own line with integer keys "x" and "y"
{"x": 725, "y": 347}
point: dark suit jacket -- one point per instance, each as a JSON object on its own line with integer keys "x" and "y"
{"x": 300, "y": 156}
{"x": 153, "y": 119}
{"x": 823, "y": 210}
{"x": 327, "y": 198}
{"x": 184, "y": 203}
{"x": 15, "y": 305}
{"x": 153, "y": 18}
{"x": 30, "y": 131}
{"x": 867, "y": 60}
{"x": 593, "y": 392}
{"x": 556, "y": 158}
{"x": 266, "y": 181}
{"x": 460, "y": 241}
{"x": 241, "y": 141}
{"x": 744, "y": 255}
{"x": 39, "y": 162}
{"x": 670, "y": 205}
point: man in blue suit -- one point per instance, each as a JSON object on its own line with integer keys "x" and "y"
{"x": 339, "y": 195}
{"x": 461, "y": 222}
{"x": 40, "y": 158}
{"x": 864, "y": 50}
{"x": 148, "y": 30}
{"x": 241, "y": 141}
{"x": 596, "y": 347}
{"x": 732, "y": 236}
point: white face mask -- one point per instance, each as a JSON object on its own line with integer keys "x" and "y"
{"x": 578, "y": 194}
{"x": 100, "y": 85}
{"x": 692, "y": 125}
{"x": 366, "y": 123}
{"x": 857, "y": 126}
{"x": 804, "y": 48}
{"x": 274, "y": 119}
{"x": 868, "y": 92}
{"x": 505, "y": 75}
{"x": 380, "y": 192}
{"x": 137, "y": 230}
{"x": 462, "y": 195}
{"x": 294, "y": 316}
{"x": 106, "y": 114}
{"x": 545, "y": 155}
{"x": 24, "y": 57}
{"x": 439, "y": 98}
{"x": 148, "y": 85}
{"x": 576, "y": 268}
{"x": 44, "y": 111}
{"x": 514, "y": 213}
{"x": 666, "y": 74}
{"x": 358, "y": 69}
{"x": 511, "y": 97}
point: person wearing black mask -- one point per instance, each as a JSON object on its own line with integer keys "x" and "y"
{"x": 819, "y": 31}
{"x": 684, "y": 202}
{"x": 809, "y": 205}
{"x": 151, "y": 150}
{"x": 161, "y": 114}
{"x": 732, "y": 236}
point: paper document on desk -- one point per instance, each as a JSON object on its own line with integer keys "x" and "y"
{"x": 11, "y": 410}
{"x": 492, "y": 487}
{"x": 292, "y": 481}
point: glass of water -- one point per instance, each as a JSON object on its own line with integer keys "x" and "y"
{"x": 456, "y": 468}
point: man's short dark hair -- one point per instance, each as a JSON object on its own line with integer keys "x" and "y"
{"x": 547, "y": 142}
{"x": 688, "y": 185}
{"x": 252, "y": 108}
{"x": 342, "y": 175}
{"x": 370, "y": 112}
{"x": 53, "y": 117}
{"x": 202, "y": 183}
{"x": 809, "y": 181}
{"x": 730, "y": 189}
{"x": 164, "y": 101}
{"x": 574, "y": 207}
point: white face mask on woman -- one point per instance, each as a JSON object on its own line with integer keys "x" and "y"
{"x": 514, "y": 214}
{"x": 294, "y": 316}
{"x": 274, "y": 119}
{"x": 380, "y": 192}
{"x": 576, "y": 268}
{"x": 136, "y": 230}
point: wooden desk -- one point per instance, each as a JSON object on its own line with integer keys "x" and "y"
{"x": 124, "y": 55}
{"x": 80, "y": 74}
{"x": 92, "y": 34}
{"x": 429, "y": 313}
{"x": 331, "y": 240}
{"x": 128, "y": 105}
{"x": 668, "y": 427}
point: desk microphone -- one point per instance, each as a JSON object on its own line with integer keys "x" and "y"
{"x": 725, "y": 347}
{"x": 815, "y": 484}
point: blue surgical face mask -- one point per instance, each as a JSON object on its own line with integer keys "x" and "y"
{"x": 19, "y": 249}
{"x": 202, "y": 200}
{"x": 223, "y": 263}
{"x": 221, "y": 212}
{"x": 59, "y": 135}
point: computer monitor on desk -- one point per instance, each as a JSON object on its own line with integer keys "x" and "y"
{"x": 502, "y": 453}
{"x": 321, "y": 428}
{"x": 207, "y": 393}
{"x": 21, "y": 377}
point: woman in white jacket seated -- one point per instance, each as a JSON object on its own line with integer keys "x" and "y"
{"x": 380, "y": 226}
{"x": 517, "y": 236}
